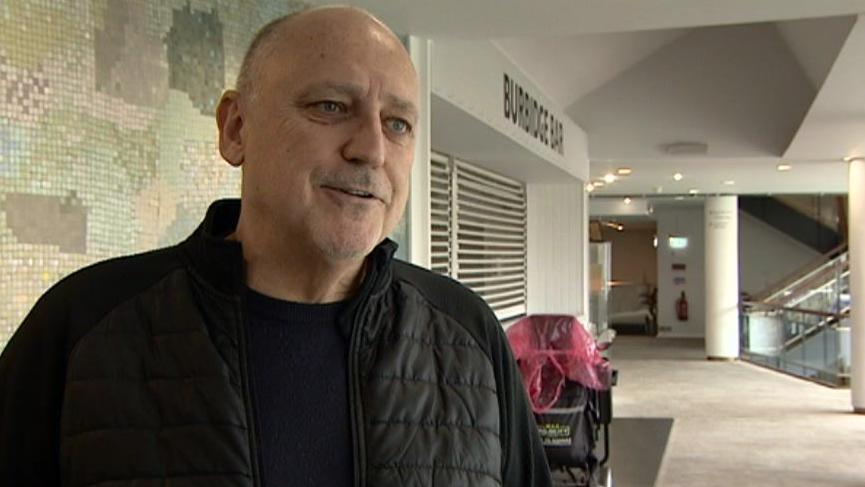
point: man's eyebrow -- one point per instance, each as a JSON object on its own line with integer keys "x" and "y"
{"x": 342, "y": 88}
{"x": 400, "y": 104}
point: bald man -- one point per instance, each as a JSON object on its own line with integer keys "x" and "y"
{"x": 280, "y": 344}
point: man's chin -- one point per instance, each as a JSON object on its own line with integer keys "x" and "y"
{"x": 348, "y": 247}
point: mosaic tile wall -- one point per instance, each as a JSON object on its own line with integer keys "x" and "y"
{"x": 107, "y": 134}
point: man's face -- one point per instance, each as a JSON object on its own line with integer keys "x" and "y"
{"x": 329, "y": 141}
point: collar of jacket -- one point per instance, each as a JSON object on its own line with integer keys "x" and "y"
{"x": 220, "y": 262}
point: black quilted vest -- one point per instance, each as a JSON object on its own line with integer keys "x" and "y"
{"x": 157, "y": 391}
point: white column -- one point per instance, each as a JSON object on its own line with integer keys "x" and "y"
{"x": 585, "y": 252}
{"x": 856, "y": 232}
{"x": 722, "y": 277}
{"x": 418, "y": 207}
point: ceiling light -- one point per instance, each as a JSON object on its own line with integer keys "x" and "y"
{"x": 590, "y": 187}
{"x": 677, "y": 176}
{"x": 627, "y": 201}
{"x": 729, "y": 182}
{"x": 659, "y": 189}
{"x": 679, "y": 198}
{"x": 693, "y": 191}
{"x": 784, "y": 167}
{"x": 597, "y": 184}
{"x": 609, "y": 177}
{"x": 624, "y": 171}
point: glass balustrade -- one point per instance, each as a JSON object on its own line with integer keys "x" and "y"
{"x": 803, "y": 329}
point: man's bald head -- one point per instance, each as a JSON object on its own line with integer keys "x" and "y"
{"x": 309, "y": 25}
{"x": 323, "y": 125}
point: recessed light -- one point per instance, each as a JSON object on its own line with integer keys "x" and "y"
{"x": 784, "y": 167}
{"x": 693, "y": 191}
{"x": 624, "y": 171}
{"x": 729, "y": 182}
{"x": 627, "y": 201}
{"x": 677, "y": 176}
{"x": 597, "y": 184}
{"x": 590, "y": 187}
{"x": 679, "y": 198}
{"x": 609, "y": 177}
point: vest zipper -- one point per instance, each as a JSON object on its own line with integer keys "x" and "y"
{"x": 245, "y": 379}
{"x": 355, "y": 404}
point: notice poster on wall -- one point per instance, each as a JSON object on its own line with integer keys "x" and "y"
{"x": 719, "y": 218}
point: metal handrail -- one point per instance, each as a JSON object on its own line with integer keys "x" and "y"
{"x": 755, "y": 305}
{"x": 801, "y": 273}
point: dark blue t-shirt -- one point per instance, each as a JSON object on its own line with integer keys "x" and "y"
{"x": 298, "y": 360}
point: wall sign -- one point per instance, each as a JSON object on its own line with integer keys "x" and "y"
{"x": 525, "y": 112}
{"x": 719, "y": 218}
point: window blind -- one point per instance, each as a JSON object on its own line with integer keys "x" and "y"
{"x": 479, "y": 232}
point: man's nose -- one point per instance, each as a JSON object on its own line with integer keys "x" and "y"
{"x": 367, "y": 143}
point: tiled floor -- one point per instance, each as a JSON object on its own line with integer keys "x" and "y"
{"x": 736, "y": 424}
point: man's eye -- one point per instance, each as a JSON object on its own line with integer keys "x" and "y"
{"x": 331, "y": 107}
{"x": 398, "y": 125}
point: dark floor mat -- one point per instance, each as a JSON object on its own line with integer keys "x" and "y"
{"x": 637, "y": 447}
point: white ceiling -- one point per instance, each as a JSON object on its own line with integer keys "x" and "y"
{"x": 488, "y": 19}
{"x": 759, "y": 81}
{"x": 586, "y": 61}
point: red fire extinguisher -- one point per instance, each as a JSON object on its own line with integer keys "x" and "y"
{"x": 682, "y": 307}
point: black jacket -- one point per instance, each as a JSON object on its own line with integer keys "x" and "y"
{"x": 133, "y": 372}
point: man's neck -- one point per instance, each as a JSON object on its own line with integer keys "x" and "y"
{"x": 287, "y": 271}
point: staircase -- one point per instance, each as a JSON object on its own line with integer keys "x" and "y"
{"x": 816, "y": 221}
{"x": 800, "y": 326}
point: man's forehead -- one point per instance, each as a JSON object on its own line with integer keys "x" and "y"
{"x": 342, "y": 35}
{"x": 326, "y": 25}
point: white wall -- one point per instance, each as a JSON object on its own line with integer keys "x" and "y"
{"x": 418, "y": 207}
{"x": 682, "y": 221}
{"x": 468, "y": 121}
{"x": 767, "y": 255}
{"x": 470, "y": 76}
{"x": 556, "y": 242}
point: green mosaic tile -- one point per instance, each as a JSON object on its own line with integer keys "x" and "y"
{"x": 195, "y": 57}
{"x": 107, "y": 138}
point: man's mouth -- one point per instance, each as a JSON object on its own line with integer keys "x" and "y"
{"x": 354, "y": 192}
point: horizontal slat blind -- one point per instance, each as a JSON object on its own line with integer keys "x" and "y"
{"x": 479, "y": 232}
{"x": 440, "y": 217}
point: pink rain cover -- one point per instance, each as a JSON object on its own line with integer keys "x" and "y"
{"x": 552, "y": 348}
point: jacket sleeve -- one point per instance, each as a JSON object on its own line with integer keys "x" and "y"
{"x": 525, "y": 463}
{"x": 32, "y": 374}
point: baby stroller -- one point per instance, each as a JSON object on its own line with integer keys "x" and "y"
{"x": 569, "y": 387}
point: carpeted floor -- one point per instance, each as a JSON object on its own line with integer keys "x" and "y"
{"x": 733, "y": 423}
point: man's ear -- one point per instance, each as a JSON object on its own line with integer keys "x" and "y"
{"x": 229, "y": 121}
